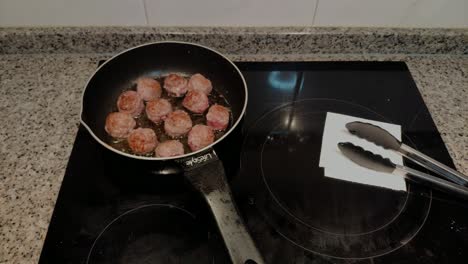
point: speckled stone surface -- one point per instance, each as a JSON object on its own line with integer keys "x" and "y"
{"x": 40, "y": 104}
{"x": 239, "y": 40}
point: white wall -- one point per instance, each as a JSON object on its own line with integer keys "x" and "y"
{"x": 393, "y": 13}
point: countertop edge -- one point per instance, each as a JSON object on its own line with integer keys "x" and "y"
{"x": 239, "y": 40}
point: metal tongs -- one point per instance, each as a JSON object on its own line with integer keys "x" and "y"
{"x": 456, "y": 182}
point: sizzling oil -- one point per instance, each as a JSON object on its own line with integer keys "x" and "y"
{"x": 142, "y": 121}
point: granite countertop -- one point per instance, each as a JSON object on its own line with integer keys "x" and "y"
{"x": 41, "y": 84}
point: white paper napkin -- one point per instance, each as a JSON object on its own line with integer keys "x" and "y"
{"x": 337, "y": 166}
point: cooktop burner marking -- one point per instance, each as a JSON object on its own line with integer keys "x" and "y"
{"x": 401, "y": 244}
{"x": 291, "y": 122}
{"x": 268, "y": 138}
{"x": 129, "y": 212}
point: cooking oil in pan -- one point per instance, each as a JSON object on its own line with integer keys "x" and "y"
{"x": 142, "y": 121}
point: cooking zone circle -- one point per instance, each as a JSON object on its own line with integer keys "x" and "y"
{"x": 319, "y": 214}
{"x": 154, "y": 233}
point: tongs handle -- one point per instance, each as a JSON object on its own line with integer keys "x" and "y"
{"x": 432, "y": 181}
{"x": 433, "y": 165}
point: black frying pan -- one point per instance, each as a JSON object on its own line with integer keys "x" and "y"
{"x": 204, "y": 170}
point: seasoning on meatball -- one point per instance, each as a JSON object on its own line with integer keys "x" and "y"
{"x": 196, "y": 101}
{"x": 148, "y": 89}
{"x": 119, "y": 125}
{"x": 169, "y": 148}
{"x": 177, "y": 123}
{"x": 157, "y": 110}
{"x": 142, "y": 140}
{"x": 175, "y": 85}
{"x": 200, "y": 136}
{"x": 217, "y": 117}
{"x": 199, "y": 83}
{"x": 130, "y": 102}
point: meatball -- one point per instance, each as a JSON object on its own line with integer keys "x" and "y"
{"x": 217, "y": 117}
{"x": 199, "y": 83}
{"x": 148, "y": 89}
{"x": 130, "y": 102}
{"x": 196, "y": 101}
{"x": 119, "y": 125}
{"x": 142, "y": 140}
{"x": 175, "y": 85}
{"x": 157, "y": 110}
{"x": 170, "y": 148}
{"x": 200, "y": 136}
{"x": 177, "y": 123}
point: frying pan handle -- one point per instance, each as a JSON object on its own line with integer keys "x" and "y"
{"x": 240, "y": 245}
{"x": 210, "y": 180}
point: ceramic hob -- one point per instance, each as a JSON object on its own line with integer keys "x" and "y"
{"x": 114, "y": 210}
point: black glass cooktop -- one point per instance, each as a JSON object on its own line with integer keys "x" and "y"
{"x": 114, "y": 210}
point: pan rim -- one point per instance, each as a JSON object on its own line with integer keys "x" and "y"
{"x": 239, "y": 118}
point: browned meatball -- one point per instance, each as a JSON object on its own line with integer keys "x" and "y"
{"x": 175, "y": 85}
{"x": 131, "y": 103}
{"x": 157, "y": 110}
{"x": 200, "y": 136}
{"x": 196, "y": 101}
{"x": 142, "y": 140}
{"x": 217, "y": 117}
{"x": 119, "y": 125}
{"x": 148, "y": 89}
{"x": 177, "y": 123}
{"x": 199, "y": 83}
{"x": 169, "y": 148}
